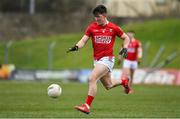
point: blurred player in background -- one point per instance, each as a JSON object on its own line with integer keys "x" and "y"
{"x": 102, "y": 33}
{"x": 134, "y": 58}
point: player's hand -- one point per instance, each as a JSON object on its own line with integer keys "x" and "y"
{"x": 74, "y": 48}
{"x": 123, "y": 53}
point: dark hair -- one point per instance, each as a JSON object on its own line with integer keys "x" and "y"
{"x": 131, "y": 31}
{"x": 100, "y": 9}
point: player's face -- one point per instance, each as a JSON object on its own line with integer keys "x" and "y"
{"x": 131, "y": 35}
{"x": 100, "y": 19}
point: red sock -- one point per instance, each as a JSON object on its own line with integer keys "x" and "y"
{"x": 89, "y": 100}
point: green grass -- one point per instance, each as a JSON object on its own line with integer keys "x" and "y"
{"x": 33, "y": 53}
{"x": 29, "y": 99}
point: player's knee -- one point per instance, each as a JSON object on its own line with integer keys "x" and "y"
{"x": 92, "y": 79}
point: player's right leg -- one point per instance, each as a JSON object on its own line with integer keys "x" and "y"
{"x": 131, "y": 74}
{"x": 134, "y": 66}
{"x": 99, "y": 71}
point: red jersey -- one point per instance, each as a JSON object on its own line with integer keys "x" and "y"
{"x": 133, "y": 50}
{"x": 103, "y": 38}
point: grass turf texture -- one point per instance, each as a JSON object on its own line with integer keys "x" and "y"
{"x": 29, "y": 99}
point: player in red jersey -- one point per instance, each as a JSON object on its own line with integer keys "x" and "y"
{"x": 134, "y": 58}
{"x": 102, "y": 33}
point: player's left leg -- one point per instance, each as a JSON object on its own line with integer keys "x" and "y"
{"x": 109, "y": 83}
{"x": 125, "y": 78}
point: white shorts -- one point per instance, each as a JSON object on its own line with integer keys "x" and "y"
{"x": 130, "y": 64}
{"x": 107, "y": 61}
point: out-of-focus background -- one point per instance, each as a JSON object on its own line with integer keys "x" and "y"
{"x": 35, "y": 35}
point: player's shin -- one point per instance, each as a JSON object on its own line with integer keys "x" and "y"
{"x": 89, "y": 100}
{"x": 125, "y": 83}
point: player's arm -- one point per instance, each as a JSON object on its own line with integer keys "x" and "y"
{"x": 83, "y": 41}
{"x": 80, "y": 44}
{"x": 126, "y": 41}
{"x": 140, "y": 53}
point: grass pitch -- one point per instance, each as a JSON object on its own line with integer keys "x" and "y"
{"x": 29, "y": 99}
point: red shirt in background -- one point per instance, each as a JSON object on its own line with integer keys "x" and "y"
{"x": 133, "y": 49}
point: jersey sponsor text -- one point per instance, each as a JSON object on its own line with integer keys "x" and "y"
{"x": 103, "y": 39}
